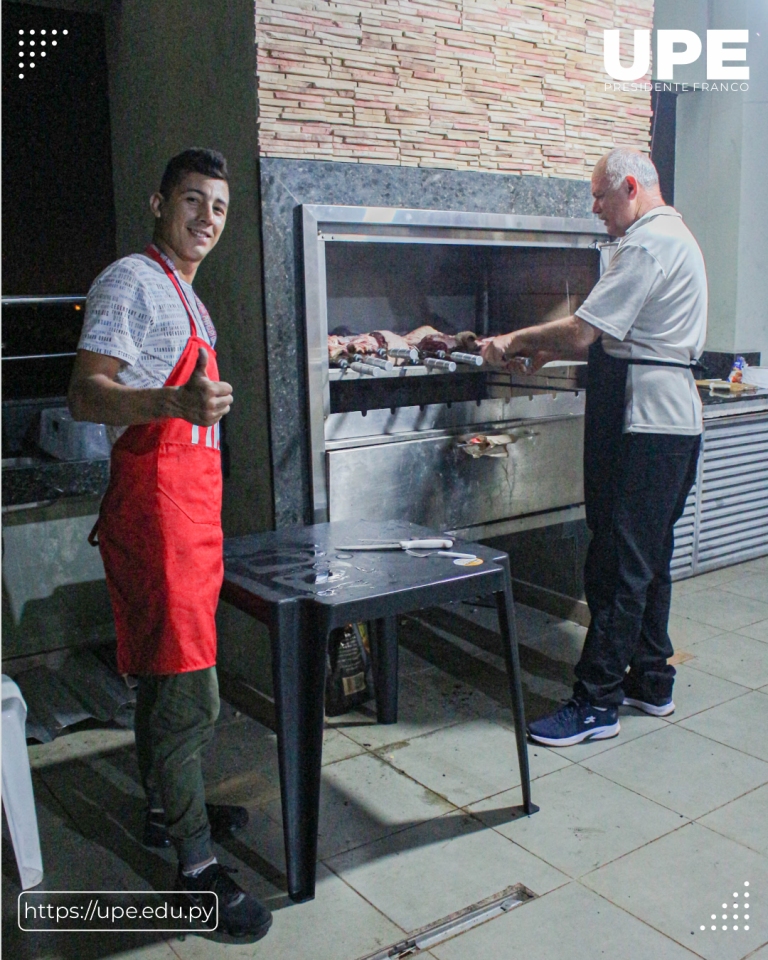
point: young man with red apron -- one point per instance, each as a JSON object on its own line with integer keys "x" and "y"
{"x": 160, "y": 536}
{"x": 641, "y": 329}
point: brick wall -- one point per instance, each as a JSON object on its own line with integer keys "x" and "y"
{"x": 512, "y": 87}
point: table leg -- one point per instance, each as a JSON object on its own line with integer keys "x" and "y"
{"x": 385, "y": 654}
{"x": 298, "y": 674}
{"x": 506, "y": 609}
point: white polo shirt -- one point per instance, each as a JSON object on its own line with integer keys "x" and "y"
{"x": 651, "y": 303}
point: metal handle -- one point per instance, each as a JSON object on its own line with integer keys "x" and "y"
{"x": 404, "y": 353}
{"x": 432, "y": 364}
{"x": 365, "y": 368}
{"x": 472, "y": 358}
{"x": 374, "y": 361}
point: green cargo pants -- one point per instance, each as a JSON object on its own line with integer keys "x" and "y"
{"x": 175, "y": 717}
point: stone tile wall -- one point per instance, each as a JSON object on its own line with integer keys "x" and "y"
{"x": 510, "y": 87}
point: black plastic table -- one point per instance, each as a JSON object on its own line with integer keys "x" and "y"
{"x": 297, "y": 582}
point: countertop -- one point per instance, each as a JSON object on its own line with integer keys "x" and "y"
{"x": 37, "y": 480}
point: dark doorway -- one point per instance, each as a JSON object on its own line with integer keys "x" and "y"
{"x": 664, "y": 106}
{"x": 58, "y": 214}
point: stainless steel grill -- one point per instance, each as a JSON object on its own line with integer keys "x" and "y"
{"x": 387, "y": 444}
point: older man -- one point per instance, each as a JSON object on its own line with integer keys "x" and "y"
{"x": 146, "y": 366}
{"x": 641, "y": 329}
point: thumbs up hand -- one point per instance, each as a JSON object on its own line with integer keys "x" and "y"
{"x": 200, "y": 400}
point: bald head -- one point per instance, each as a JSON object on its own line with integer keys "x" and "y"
{"x": 625, "y": 186}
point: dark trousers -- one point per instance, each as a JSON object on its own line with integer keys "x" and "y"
{"x": 627, "y": 578}
{"x": 175, "y": 717}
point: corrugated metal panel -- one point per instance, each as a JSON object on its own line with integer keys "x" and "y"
{"x": 726, "y": 516}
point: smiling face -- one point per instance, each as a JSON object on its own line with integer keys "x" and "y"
{"x": 190, "y": 220}
{"x": 616, "y": 206}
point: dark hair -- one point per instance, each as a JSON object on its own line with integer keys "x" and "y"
{"x": 210, "y": 163}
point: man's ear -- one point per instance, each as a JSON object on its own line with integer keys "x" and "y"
{"x": 632, "y": 187}
{"x": 155, "y": 203}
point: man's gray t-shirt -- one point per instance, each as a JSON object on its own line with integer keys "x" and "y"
{"x": 134, "y": 313}
{"x": 651, "y": 303}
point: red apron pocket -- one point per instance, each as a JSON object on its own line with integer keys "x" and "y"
{"x": 190, "y": 476}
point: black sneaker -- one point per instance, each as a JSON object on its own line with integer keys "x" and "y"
{"x": 574, "y": 722}
{"x": 637, "y": 694}
{"x": 655, "y": 709}
{"x": 224, "y": 820}
{"x": 240, "y": 913}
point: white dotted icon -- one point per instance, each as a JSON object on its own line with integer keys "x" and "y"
{"x": 21, "y": 33}
{"x": 65, "y": 32}
{"x": 32, "y": 32}
{"x": 21, "y": 43}
{"x": 31, "y": 64}
{"x": 43, "y": 32}
{"x": 735, "y": 916}
{"x": 54, "y": 32}
{"x": 53, "y": 43}
{"x": 21, "y": 76}
{"x": 42, "y": 54}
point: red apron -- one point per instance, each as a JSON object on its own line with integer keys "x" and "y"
{"x": 160, "y": 533}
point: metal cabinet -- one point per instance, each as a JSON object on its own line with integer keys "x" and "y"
{"x": 726, "y": 516}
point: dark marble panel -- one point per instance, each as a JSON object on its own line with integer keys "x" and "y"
{"x": 718, "y": 364}
{"x": 285, "y": 185}
{"x": 54, "y": 480}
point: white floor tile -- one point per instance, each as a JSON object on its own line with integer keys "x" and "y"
{"x": 681, "y": 770}
{"x": 470, "y": 761}
{"x": 571, "y": 923}
{"x": 337, "y": 746}
{"x": 744, "y": 820}
{"x": 720, "y": 608}
{"x": 461, "y": 861}
{"x": 754, "y": 587}
{"x": 684, "y": 631}
{"x": 733, "y": 657}
{"x": 676, "y": 883}
{"x": 337, "y": 925}
{"x": 705, "y": 581}
{"x": 584, "y": 820}
{"x": 363, "y": 799}
{"x": 427, "y": 701}
{"x": 741, "y": 724}
{"x": 696, "y": 691}
{"x": 758, "y": 631}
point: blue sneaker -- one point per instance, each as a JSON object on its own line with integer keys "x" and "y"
{"x": 573, "y": 722}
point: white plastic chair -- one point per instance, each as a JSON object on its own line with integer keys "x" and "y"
{"x": 18, "y": 798}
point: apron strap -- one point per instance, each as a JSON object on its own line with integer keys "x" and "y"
{"x": 93, "y": 536}
{"x": 637, "y": 362}
{"x": 157, "y": 255}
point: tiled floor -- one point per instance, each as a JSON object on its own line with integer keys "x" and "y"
{"x": 641, "y": 844}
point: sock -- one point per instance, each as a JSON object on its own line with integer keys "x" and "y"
{"x": 196, "y": 871}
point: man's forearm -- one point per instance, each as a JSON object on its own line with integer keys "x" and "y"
{"x": 565, "y": 339}
{"x": 101, "y": 400}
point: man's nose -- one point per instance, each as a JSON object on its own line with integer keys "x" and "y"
{"x": 206, "y": 212}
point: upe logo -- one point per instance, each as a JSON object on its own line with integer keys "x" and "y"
{"x": 667, "y": 56}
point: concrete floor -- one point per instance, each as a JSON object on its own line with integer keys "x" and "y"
{"x": 640, "y": 842}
